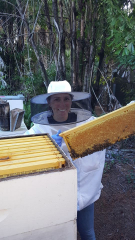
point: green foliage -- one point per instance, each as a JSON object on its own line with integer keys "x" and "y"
{"x": 130, "y": 95}
{"x": 120, "y": 38}
{"x": 108, "y": 166}
{"x": 126, "y": 61}
{"x": 116, "y": 156}
{"x": 4, "y": 90}
{"x": 131, "y": 178}
{"x": 27, "y": 115}
{"x": 51, "y": 71}
{"x": 30, "y": 85}
{"x": 103, "y": 20}
{"x": 125, "y": 91}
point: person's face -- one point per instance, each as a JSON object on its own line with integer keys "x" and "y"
{"x": 60, "y": 104}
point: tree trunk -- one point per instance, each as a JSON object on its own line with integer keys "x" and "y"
{"x": 62, "y": 44}
{"x": 39, "y": 59}
{"x": 73, "y": 46}
{"x": 81, "y": 63}
{"x": 101, "y": 58}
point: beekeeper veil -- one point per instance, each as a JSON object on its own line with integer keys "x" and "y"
{"x": 81, "y": 103}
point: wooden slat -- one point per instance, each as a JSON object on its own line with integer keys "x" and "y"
{"x": 24, "y": 139}
{"x": 17, "y": 151}
{"x": 28, "y": 168}
{"x": 30, "y": 142}
{"x": 28, "y": 154}
{"x": 7, "y": 160}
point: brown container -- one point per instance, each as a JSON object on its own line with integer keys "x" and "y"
{"x": 4, "y": 115}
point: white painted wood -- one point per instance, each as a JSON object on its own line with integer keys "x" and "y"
{"x": 37, "y": 202}
{"x": 18, "y": 132}
{"x": 15, "y": 104}
{"x": 63, "y": 231}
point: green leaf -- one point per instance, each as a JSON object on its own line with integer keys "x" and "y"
{"x": 118, "y": 52}
{"x": 132, "y": 49}
{"x": 125, "y": 52}
{"x": 129, "y": 47}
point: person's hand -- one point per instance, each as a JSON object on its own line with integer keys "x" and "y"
{"x": 57, "y": 138}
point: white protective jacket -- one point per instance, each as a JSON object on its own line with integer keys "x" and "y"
{"x": 89, "y": 168}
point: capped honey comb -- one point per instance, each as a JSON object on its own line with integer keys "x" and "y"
{"x": 101, "y": 132}
{"x": 29, "y": 154}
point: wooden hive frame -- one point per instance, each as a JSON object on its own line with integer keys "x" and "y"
{"x": 100, "y": 132}
{"x": 30, "y": 154}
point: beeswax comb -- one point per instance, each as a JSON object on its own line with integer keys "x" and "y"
{"x": 29, "y": 154}
{"x": 101, "y": 132}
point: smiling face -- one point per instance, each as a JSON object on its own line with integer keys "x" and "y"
{"x": 60, "y": 104}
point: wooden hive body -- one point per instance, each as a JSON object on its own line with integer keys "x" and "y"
{"x": 38, "y": 189}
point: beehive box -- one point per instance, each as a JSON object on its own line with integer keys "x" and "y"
{"x": 38, "y": 186}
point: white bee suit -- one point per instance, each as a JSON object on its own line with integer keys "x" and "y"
{"x": 89, "y": 168}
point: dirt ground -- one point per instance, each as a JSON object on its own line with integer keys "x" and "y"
{"x": 115, "y": 210}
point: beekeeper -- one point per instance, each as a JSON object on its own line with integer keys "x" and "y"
{"x": 61, "y": 117}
